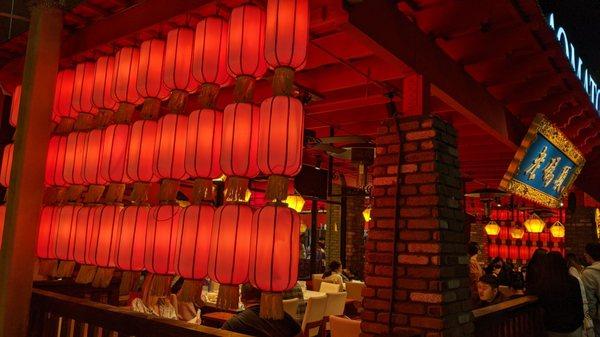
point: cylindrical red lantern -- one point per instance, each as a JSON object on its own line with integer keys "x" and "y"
{"x": 229, "y": 256}
{"x": 140, "y": 152}
{"x": 75, "y": 158}
{"x": 14, "y": 106}
{"x": 102, "y": 244}
{"x": 113, "y": 161}
{"x": 193, "y": 241}
{"x": 150, "y": 71}
{"x": 281, "y": 136}
{"x": 103, "y": 82}
{"x": 247, "y": 41}
{"x": 239, "y": 144}
{"x": 93, "y": 158}
{"x": 275, "y": 247}
{"x": 64, "y": 218}
{"x": 83, "y": 88}
{"x": 179, "y": 51}
{"x": 161, "y": 237}
{"x": 287, "y": 33}
{"x": 63, "y": 95}
{"x": 124, "y": 86}
{"x": 169, "y": 150}
{"x": 7, "y": 159}
{"x": 55, "y": 161}
{"x": 210, "y": 51}
{"x": 46, "y": 240}
{"x": 83, "y": 233}
{"x": 203, "y": 148}
{"x": 2, "y": 216}
{"x": 131, "y": 238}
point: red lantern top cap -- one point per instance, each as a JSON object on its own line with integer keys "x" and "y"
{"x": 287, "y": 33}
{"x": 247, "y": 41}
{"x": 210, "y": 51}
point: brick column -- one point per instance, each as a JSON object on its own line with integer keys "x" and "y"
{"x": 580, "y": 229}
{"x": 431, "y": 295}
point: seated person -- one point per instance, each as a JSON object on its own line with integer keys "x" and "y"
{"x": 487, "y": 289}
{"x": 334, "y": 274}
{"x": 249, "y": 322}
{"x": 296, "y": 292}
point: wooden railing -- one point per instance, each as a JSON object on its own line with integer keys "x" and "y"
{"x": 58, "y": 315}
{"x": 518, "y": 317}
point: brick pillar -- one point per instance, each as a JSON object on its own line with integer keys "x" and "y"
{"x": 355, "y": 240}
{"x": 580, "y": 229}
{"x": 334, "y": 217}
{"x": 431, "y": 296}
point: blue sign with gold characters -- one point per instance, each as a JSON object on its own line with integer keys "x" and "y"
{"x": 545, "y": 166}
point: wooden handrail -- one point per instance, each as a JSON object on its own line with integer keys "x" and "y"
{"x": 513, "y": 318}
{"x": 45, "y": 305}
{"x": 502, "y": 307}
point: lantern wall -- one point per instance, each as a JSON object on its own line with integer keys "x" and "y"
{"x": 113, "y": 161}
{"x": 203, "y": 148}
{"x": 63, "y": 95}
{"x": 210, "y": 51}
{"x": 83, "y": 234}
{"x": 7, "y": 159}
{"x": 2, "y": 220}
{"x": 161, "y": 237}
{"x": 150, "y": 70}
{"x": 169, "y": 150}
{"x": 103, "y": 82}
{"x": 287, "y": 33}
{"x": 55, "y": 161}
{"x": 14, "y": 106}
{"x": 46, "y": 236}
{"x": 64, "y": 222}
{"x": 101, "y": 248}
{"x": 239, "y": 144}
{"x": 124, "y": 85}
{"x": 83, "y": 88}
{"x": 140, "y": 151}
{"x": 92, "y": 158}
{"x": 193, "y": 241}
{"x": 177, "y": 72}
{"x": 247, "y": 41}
{"x": 131, "y": 238}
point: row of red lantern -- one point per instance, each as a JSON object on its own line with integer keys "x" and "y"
{"x": 195, "y": 242}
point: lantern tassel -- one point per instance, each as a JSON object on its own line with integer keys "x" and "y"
{"x": 168, "y": 190}
{"x": 177, "y": 101}
{"x": 277, "y": 188}
{"x": 93, "y": 194}
{"x": 207, "y": 95}
{"x": 283, "y": 81}
{"x": 103, "y": 118}
{"x": 115, "y": 193}
{"x": 86, "y": 274}
{"x": 74, "y": 193}
{"x": 204, "y": 190}
{"x": 191, "y": 291}
{"x": 229, "y": 296}
{"x": 271, "y": 306}
{"x": 235, "y": 188}
{"x": 129, "y": 279}
{"x": 48, "y": 267}
{"x": 244, "y": 89}
{"x": 103, "y": 277}
{"x": 64, "y": 126}
{"x": 84, "y": 121}
{"x": 139, "y": 193}
{"x": 65, "y": 268}
{"x": 151, "y": 108}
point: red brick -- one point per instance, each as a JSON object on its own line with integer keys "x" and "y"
{"x": 426, "y": 322}
{"x": 380, "y": 150}
{"x": 415, "y": 212}
{"x": 424, "y": 248}
{"x": 416, "y": 157}
{"x": 429, "y": 200}
{"x": 383, "y": 212}
{"x": 412, "y": 235}
{"x": 426, "y": 297}
{"x": 409, "y": 126}
{"x": 375, "y": 304}
{"x": 410, "y": 147}
{"x": 385, "y": 246}
{"x": 383, "y": 271}
{"x": 408, "y": 190}
{"x": 384, "y": 181}
{"x": 423, "y": 272}
{"x": 409, "y": 168}
{"x": 384, "y": 293}
{"x": 376, "y": 234}
{"x": 376, "y": 328}
{"x": 428, "y": 189}
{"x": 368, "y": 316}
{"x": 383, "y": 258}
{"x": 421, "y": 178}
{"x": 410, "y": 308}
{"x": 368, "y": 292}
{"x": 387, "y": 139}
{"x": 413, "y": 259}
{"x": 423, "y": 224}
{"x": 411, "y": 284}
{"x": 418, "y": 135}
{"x": 373, "y": 281}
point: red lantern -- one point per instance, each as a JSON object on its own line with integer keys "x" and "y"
{"x": 247, "y": 41}
{"x": 203, "y": 149}
{"x": 101, "y": 249}
{"x": 113, "y": 162}
{"x": 161, "y": 237}
{"x": 178, "y": 60}
{"x": 239, "y": 144}
{"x": 2, "y": 216}
{"x": 124, "y": 86}
{"x": 275, "y": 248}
{"x": 210, "y": 51}
{"x": 140, "y": 152}
{"x": 14, "y": 106}
{"x": 103, "y": 82}
{"x": 92, "y": 158}
{"x": 55, "y": 161}
{"x": 150, "y": 71}
{"x": 46, "y": 240}
{"x": 83, "y": 88}
{"x": 64, "y": 221}
{"x": 63, "y": 95}
{"x": 7, "y": 159}
{"x": 193, "y": 241}
{"x": 229, "y": 256}
{"x": 83, "y": 233}
{"x": 281, "y": 135}
{"x": 131, "y": 238}
{"x": 75, "y": 158}
{"x": 287, "y": 33}
{"x": 169, "y": 149}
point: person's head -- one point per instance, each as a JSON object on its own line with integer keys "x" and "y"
{"x": 473, "y": 248}
{"x": 592, "y": 252}
{"x": 250, "y": 295}
{"x": 335, "y": 266}
{"x": 573, "y": 261}
{"x": 538, "y": 256}
{"x": 555, "y": 275}
{"x": 487, "y": 287}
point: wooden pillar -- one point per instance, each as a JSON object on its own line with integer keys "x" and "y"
{"x": 24, "y": 199}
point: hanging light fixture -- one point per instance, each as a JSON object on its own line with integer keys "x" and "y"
{"x": 534, "y": 224}
{"x": 7, "y": 159}
{"x": 295, "y": 202}
{"x": 517, "y": 232}
{"x": 14, "y": 106}
{"x": 177, "y": 68}
{"x": 557, "y": 230}
{"x": 367, "y": 214}
{"x": 492, "y": 228}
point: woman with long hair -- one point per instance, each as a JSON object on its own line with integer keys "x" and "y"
{"x": 575, "y": 269}
{"x": 534, "y": 268}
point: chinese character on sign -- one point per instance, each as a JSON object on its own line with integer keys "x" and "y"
{"x": 558, "y": 183}
{"x": 536, "y": 164}
{"x": 549, "y": 171}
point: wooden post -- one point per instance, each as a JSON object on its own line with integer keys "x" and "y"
{"x": 24, "y": 198}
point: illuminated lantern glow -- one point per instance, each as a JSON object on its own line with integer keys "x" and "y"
{"x": 193, "y": 241}
{"x": 75, "y": 158}
{"x": 275, "y": 247}
{"x": 295, "y": 202}
{"x": 149, "y": 81}
{"x": 281, "y": 136}
{"x": 161, "y": 237}
{"x": 177, "y": 72}
{"x": 64, "y": 223}
{"x": 557, "y": 230}
{"x": 492, "y": 228}
{"x": 229, "y": 257}
{"x": 517, "y": 232}
{"x": 7, "y": 159}
{"x": 203, "y": 148}
{"x": 92, "y": 157}
{"x": 63, "y": 95}
{"x": 287, "y": 33}
{"x": 2, "y": 216}
{"x": 247, "y": 41}
{"x": 131, "y": 238}
{"x": 210, "y": 51}
{"x": 140, "y": 151}
{"x": 124, "y": 85}
{"x": 83, "y": 88}
{"x": 169, "y": 150}
{"x": 46, "y": 237}
{"x": 14, "y": 106}
{"x": 367, "y": 214}
{"x": 534, "y": 224}
{"x": 113, "y": 161}
{"x": 102, "y": 244}
{"x": 83, "y": 234}
{"x": 103, "y": 82}
{"x": 55, "y": 161}
{"x": 239, "y": 144}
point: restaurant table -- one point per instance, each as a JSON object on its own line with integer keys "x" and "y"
{"x": 216, "y": 319}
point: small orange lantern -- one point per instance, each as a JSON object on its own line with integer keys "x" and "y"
{"x": 534, "y": 224}
{"x": 492, "y": 228}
